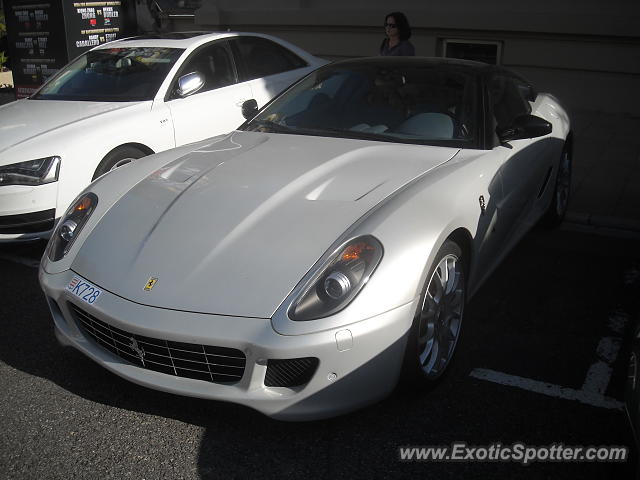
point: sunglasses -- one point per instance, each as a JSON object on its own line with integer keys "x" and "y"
{"x": 390, "y": 25}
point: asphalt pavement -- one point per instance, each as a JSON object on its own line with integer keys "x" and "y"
{"x": 532, "y": 339}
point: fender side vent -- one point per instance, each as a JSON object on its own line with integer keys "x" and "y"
{"x": 544, "y": 184}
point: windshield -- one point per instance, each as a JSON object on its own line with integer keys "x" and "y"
{"x": 426, "y": 104}
{"x": 112, "y": 75}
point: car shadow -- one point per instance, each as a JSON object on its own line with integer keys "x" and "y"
{"x": 238, "y": 442}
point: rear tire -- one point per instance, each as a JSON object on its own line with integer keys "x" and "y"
{"x": 116, "y": 158}
{"x": 437, "y": 323}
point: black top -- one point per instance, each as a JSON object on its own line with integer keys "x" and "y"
{"x": 403, "y": 49}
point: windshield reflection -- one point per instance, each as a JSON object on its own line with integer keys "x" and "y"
{"x": 114, "y": 74}
{"x": 417, "y": 103}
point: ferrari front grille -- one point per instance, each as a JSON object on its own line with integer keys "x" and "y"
{"x": 190, "y": 360}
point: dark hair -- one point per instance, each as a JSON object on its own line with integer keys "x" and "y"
{"x": 404, "y": 30}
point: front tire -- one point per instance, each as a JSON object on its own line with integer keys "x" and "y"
{"x": 438, "y": 321}
{"x": 116, "y": 158}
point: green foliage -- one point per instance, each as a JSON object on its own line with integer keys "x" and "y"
{"x": 3, "y": 32}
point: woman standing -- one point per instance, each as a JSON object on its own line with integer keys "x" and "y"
{"x": 398, "y": 31}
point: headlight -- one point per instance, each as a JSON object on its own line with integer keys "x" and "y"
{"x": 70, "y": 226}
{"x": 33, "y": 172}
{"x": 339, "y": 281}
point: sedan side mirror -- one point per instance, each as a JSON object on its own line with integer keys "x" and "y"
{"x": 249, "y": 108}
{"x": 525, "y": 126}
{"x": 189, "y": 84}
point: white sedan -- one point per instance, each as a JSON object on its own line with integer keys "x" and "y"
{"x": 125, "y": 100}
{"x": 301, "y": 264}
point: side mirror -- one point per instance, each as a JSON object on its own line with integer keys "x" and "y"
{"x": 525, "y": 126}
{"x": 189, "y": 84}
{"x": 249, "y": 108}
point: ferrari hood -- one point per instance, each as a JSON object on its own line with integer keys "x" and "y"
{"x": 232, "y": 227}
{"x": 25, "y": 119}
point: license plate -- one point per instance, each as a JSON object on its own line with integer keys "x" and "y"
{"x": 84, "y": 290}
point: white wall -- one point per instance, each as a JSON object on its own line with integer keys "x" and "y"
{"x": 585, "y": 52}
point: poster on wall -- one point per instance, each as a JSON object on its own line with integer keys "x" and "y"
{"x": 44, "y": 36}
{"x": 36, "y": 43}
{"x": 89, "y": 24}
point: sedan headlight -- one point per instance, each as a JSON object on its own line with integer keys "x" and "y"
{"x": 33, "y": 172}
{"x": 339, "y": 281}
{"x": 70, "y": 226}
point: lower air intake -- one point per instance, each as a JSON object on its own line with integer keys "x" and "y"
{"x": 291, "y": 372}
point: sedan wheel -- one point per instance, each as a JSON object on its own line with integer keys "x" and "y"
{"x": 121, "y": 162}
{"x": 116, "y": 158}
{"x": 438, "y": 323}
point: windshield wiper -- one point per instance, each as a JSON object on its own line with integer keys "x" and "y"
{"x": 357, "y": 134}
{"x": 270, "y": 126}
{"x": 273, "y": 127}
{"x": 378, "y": 137}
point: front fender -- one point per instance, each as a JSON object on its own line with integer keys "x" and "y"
{"x": 411, "y": 224}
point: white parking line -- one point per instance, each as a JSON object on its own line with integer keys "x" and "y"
{"x": 549, "y": 389}
{"x": 598, "y": 376}
{"x": 599, "y": 373}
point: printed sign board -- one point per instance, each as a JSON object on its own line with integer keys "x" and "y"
{"x": 43, "y": 36}
{"x": 89, "y": 24}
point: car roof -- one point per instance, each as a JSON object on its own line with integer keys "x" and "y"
{"x": 191, "y": 40}
{"x": 470, "y": 65}
{"x": 183, "y": 40}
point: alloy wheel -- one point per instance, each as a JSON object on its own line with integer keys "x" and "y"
{"x": 441, "y": 316}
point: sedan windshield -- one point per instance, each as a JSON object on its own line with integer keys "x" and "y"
{"x": 113, "y": 75}
{"x": 409, "y": 103}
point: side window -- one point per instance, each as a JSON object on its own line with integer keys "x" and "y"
{"x": 314, "y": 102}
{"x": 258, "y": 57}
{"x": 526, "y": 91}
{"x": 214, "y": 62}
{"x": 508, "y": 100}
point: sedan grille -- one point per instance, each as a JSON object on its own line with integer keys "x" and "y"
{"x": 28, "y": 222}
{"x": 190, "y": 360}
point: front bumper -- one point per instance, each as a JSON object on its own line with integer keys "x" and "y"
{"x": 27, "y": 212}
{"x": 350, "y": 373}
